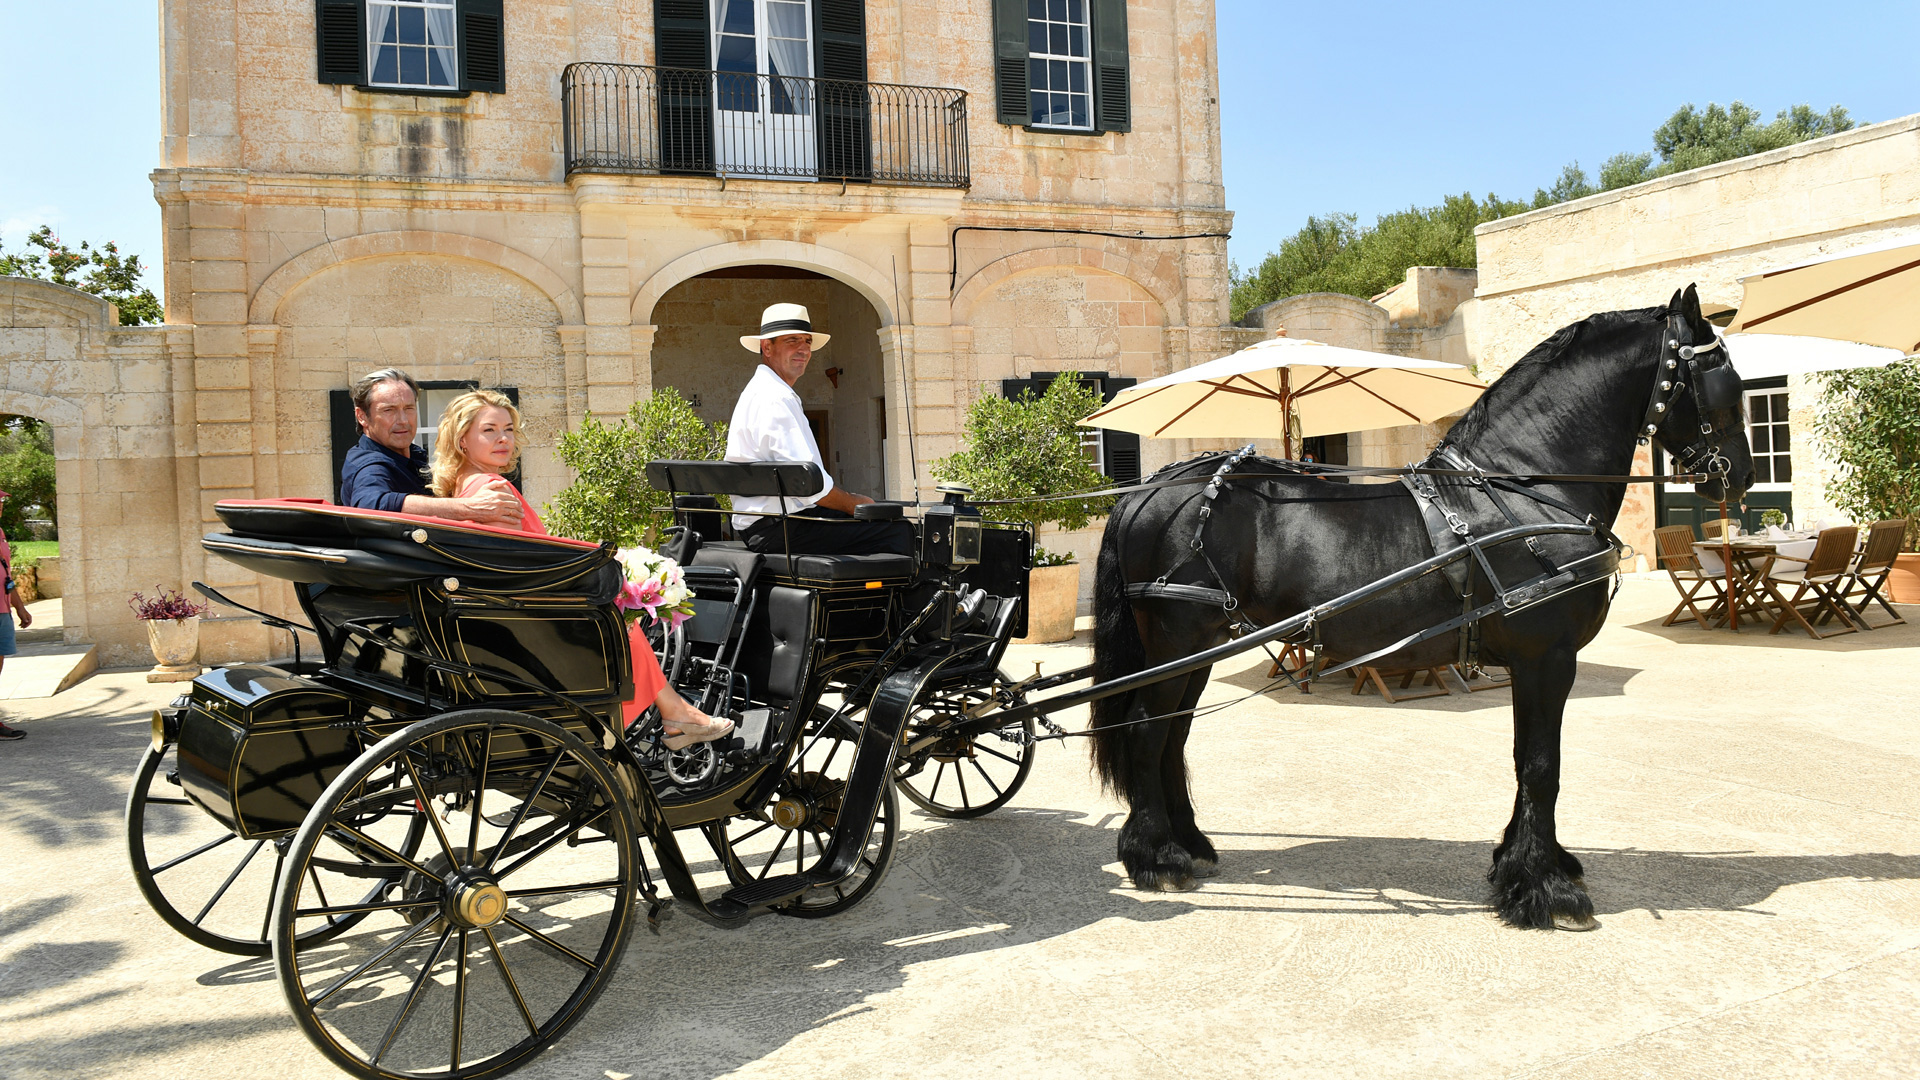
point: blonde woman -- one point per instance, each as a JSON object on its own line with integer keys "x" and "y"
{"x": 477, "y": 444}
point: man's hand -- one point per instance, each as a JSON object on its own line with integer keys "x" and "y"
{"x": 25, "y": 616}
{"x": 494, "y": 504}
{"x": 839, "y": 498}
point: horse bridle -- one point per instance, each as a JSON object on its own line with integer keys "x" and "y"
{"x": 1714, "y": 387}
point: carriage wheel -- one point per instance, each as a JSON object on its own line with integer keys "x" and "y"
{"x": 963, "y": 776}
{"x": 494, "y": 941}
{"x": 212, "y": 886}
{"x": 791, "y": 833}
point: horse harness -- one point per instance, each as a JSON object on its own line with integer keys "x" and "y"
{"x": 1447, "y": 476}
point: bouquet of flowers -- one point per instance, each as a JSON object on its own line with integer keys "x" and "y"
{"x": 655, "y": 587}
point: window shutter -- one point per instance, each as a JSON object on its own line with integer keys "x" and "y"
{"x": 1121, "y": 449}
{"x": 483, "y": 46}
{"x": 342, "y": 428}
{"x": 1112, "y": 83}
{"x": 1011, "y": 389}
{"x": 840, "y": 38}
{"x": 1010, "y": 61}
{"x": 682, "y": 39}
{"x": 342, "y": 42}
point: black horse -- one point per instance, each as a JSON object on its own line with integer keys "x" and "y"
{"x": 1284, "y": 542}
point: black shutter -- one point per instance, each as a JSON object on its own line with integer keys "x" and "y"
{"x": 1010, "y": 61}
{"x": 1011, "y": 389}
{"x": 1121, "y": 449}
{"x": 483, "y": 46}
{"x": 342, "y": 42}
{"x": 345, "y": 430}
{"x": 840, "y": 36}
{"x": 682, "y": 40}
{"x": 1112, "y": 84}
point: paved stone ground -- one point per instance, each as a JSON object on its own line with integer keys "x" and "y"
{"x": 1745, "y": 807}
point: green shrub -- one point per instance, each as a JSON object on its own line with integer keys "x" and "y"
{"x": 1870, "y": 419}
{"x": 1027, "y": 446}
{"x": 610, "y": 499}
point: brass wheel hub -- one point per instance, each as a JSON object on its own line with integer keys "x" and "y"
{"x": 475, "y": 901}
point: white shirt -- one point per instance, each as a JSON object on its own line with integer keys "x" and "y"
{"x": 769, "y": 425}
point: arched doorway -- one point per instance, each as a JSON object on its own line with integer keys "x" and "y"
{"x": 696, "y": 350}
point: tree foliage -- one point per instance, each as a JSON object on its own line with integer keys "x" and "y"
{"x": 610, "y": 499}
{"x": 1030, "y": 445}
{"x": 1870, "y": 419}
{"x": 102, "y": 271}
{"x": 26, "y": 473}
{"x": 1335, "y": 253}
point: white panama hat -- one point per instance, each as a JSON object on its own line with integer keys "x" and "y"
{"x": 779, "y": 320}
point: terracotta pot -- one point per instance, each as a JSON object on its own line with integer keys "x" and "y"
{"x": 1903, "y": 584}
{"x": 1053, "y": 595}
{"x": 175, "y": 642}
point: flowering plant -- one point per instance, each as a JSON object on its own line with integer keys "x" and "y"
{"x": 164, "y": 604}
{"x": 654, "y": 587}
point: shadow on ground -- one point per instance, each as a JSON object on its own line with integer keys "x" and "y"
{"x": 1895, "y": 636}
{"x": 1593, "y": 681}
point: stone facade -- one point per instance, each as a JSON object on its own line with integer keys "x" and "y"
{"x": 314, "y": 232}
{"x": 1633, "y": 247}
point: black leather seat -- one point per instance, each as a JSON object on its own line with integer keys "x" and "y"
{"x": 840, "y": 568}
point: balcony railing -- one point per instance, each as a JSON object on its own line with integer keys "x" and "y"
{"x": 626, "y": 118}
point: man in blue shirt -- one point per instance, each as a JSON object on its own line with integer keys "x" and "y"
{"x": 386, "y": 471}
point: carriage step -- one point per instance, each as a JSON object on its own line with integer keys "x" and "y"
{"x": 769, "y": 892}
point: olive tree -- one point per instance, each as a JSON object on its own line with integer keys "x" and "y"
{"x": 1870, "y": 419}
{"x": 610, "y": 500}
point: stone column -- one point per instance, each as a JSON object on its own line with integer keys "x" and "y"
{"x": 573, "y": 347}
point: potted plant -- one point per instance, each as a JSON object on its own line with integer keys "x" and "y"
{"x": 1030, "y": 446}
{"x": 173, "y": 630}
{"x": 1870, "y": 419}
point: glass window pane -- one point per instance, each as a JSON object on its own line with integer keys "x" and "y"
{"x": 736, "y": 54}
{"x": 385, "y": 27}
{"x": 1779, "y": 408}
{"x": 787, "y": 20}
{"x": 1782, "y": 469}
{"x": 1079, "y": 73}
{"x": 1056, "y": 39}
{"x": 1080, "y": 117}
{"x": 1037, "y": 74}
{"x": 1762, "y": 441}
{"x": 1077, "y": 41}
{"x": 413, "y": 26}
{"x": 413, "y": 65}
{"x": 440, "y": 26}
{"x": 1057, "y": 74}
{"x": 1036, "y": 36}
{"x": 1077, "y": 10}
{"x": 736, "y": 17}
{"x": 1036, "y": 9}
{"x": 1037, "y": 111}
{"x": 1057, "y": 9}
{"x": 1762, "y": 470}
{"x": 1757, "y": 408}
{"x": 386, "y": 65}
{"x": 440, "y": 67}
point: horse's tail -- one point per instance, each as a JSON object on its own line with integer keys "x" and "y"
{"x": 1117, "y": 651}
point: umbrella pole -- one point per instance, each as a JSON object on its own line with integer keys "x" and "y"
{"x": 1286, "y": 414}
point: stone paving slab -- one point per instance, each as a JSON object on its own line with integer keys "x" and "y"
{"x": 1745, "y": 807}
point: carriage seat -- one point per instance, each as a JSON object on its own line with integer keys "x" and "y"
{"x": 832, "y": 570}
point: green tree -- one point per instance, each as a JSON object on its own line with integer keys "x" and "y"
{"x": 26, "y": 473}
{"x": 1870, "y": 419}
{"x": 1692, "y": 137}
{"x": 102, "y": 271}
{"x": 1335, "y": 254}
{"x": 610, "y": 499}
{"x": 1573, "y": 184}
{"x": 1026, "y": 446}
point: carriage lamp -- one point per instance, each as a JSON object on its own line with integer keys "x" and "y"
{"x": 950, "y": 534}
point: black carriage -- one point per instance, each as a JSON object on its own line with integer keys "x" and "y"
{"x": 433, "y": 825}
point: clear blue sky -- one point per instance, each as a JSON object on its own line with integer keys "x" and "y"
{"x": 1324, "y": 106}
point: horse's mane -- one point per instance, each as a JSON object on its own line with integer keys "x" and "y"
{"x": 1521, "y": 379}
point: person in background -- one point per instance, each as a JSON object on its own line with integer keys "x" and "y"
{"x": 384, "y": 470}
{"x": 15, "y": 608}
{"x": 477, "y": 445}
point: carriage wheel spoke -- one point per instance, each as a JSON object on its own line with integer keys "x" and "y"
{"x": 413, "y": 996}
{"x": 555, "y": 890}
{"x": 520, "y": 812}
{"x": 775, "y": 857}
{"x": 167, "y": 800}
{"x": 513, "y": 986}
{"x": 201, "y": 850}
{"x": 266, "y": 919}
{"x": 398, "y": 944}
{"x": 426, "y": 807}
{"x": 546, "y": 845}
{"x": 983, "y": 775}
{"x": 938, "y": 775}
{"x": 313, "y": 876}
{"x": 990, "y": 750}
{"x": 960, "y": 775}
{"x": 459, "y": 1000}
{"x": 550, "y": 943}
{"x": 361, "y": 909}
{"x": 479, "y": 792}
{"x": 383, "y": 849}
{"x": 231, "y": 878}
{"x": 750, "y": 834}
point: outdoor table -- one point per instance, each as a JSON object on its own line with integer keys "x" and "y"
{"x": 1746, "y": 559}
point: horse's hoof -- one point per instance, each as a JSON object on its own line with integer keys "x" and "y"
{"x": 1205, "y": 868}
{"x": 1579, "y": 924}
{"x": 1164, "y": 881}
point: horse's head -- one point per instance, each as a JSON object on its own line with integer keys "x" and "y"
{"x": 1695, "y": 410}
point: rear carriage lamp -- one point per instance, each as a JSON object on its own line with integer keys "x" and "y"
{"x": 950, "y": 534}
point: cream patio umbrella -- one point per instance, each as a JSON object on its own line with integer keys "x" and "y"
{"x": 1324, "y": 389}
{"x": 1870, "y": 295}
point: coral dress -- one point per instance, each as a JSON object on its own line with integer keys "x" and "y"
{"x": 648, "y": 679}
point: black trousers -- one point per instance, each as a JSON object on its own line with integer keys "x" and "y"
{"x": 820, "y": 531}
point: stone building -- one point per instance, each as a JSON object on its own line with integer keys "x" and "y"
{"x": 583, "y": 200}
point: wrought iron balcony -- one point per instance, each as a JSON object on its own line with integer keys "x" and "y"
{"x": 628, "y": 118}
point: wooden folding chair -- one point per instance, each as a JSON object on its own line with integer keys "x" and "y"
{"x": 1435, "y": 678}
{"x": 1711, "y": 528}
{"x": 1816, "y": 583}
{"x": 1294, "y": 658}
{"x": 1861, "y": 588}
{"x": 1674, "y": 547}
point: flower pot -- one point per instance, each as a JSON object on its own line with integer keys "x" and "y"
{"x": 1903, "y": 584}
{"x": 1053, "y": 595}
{"x": 176, "y": 644}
